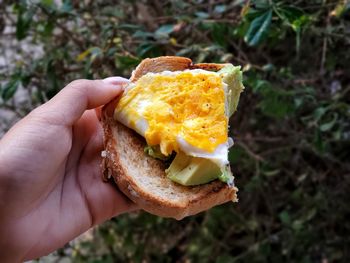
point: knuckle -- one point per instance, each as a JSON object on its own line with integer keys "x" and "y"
{"x": 79, "y": 83}
{"x": 82, "y": 85}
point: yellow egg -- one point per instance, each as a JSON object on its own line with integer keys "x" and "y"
{"x": 188, "y": 105}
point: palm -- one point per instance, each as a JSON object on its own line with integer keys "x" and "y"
{"x": 58, "y": 188}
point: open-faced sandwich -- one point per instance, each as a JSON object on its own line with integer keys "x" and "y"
{"x": 166, "y": 138}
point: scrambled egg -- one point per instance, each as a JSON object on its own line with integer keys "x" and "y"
{"x": 182, "y": 110}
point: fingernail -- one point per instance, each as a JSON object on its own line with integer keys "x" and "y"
{"x": 115, "y": 80}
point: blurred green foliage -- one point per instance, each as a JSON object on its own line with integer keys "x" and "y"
{"x": 291, "y": 131}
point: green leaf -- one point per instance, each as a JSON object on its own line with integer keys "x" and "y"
{"x": 164, "y": 31}
{"x": 142, "y": 34}
{"x": 67, "y": 6}
{"x": 329, "y": 125}
{"x": 218, "y": 30}
{"x": 95, "y": 52}
{"x": 220, "y": 9}
{"x": 188, "y": 51}
{"x": 254, "y": 13}
{"x": 300, "y": 22}
{"x": 275, "y": 102}
{"x": 202, "y": 15}
{"x": 47, "y": 3}
{"x": 10, "y": 89}
{"x": 297, "y": 225}
{"x": 111, "y": 52}
{"x": 285, "y": 218}
{"x": 24, "y": 20}
{"x": 128, "y": 27}
{"x": 290, "y": 13}
{"x": 53, "y": 82}
{"x": 258, "y": 28}
{"x": 319, "y": 142}
{"x": 309, "y": 215}
{"x": 144, "y": 48}
{"x": 319, "y": 112}
{"x": 113, "y": 11}
{"x": 259, "y": 84}
{"x": 272, "y": 173}
{"x": 25, "y": 79}
{"x": 127, "y": 61}
{"x": 49, "y": 27}
{"x": 268, "y": 67}
{"x": 262, "y": 4}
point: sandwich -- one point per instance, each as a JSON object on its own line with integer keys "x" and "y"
{"x": 166, "y": 138}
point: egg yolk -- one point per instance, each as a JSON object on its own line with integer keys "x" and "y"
{"x": 186, "y": 105}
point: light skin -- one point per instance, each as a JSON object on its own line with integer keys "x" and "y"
{"x": 50, "y": 176}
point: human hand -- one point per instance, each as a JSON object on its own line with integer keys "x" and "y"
{"x": 50, "y": 177}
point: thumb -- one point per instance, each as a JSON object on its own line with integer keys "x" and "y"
{"x": 70, "y": 103}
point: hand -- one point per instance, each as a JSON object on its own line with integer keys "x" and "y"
{"x": 50, "y": 176}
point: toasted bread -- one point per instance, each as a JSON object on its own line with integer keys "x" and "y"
{"x": 141, "y": 177}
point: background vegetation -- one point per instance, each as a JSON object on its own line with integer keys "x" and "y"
{"x": 292, "y": 129}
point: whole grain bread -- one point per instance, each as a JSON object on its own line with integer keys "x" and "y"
{"x": 141, "y": 177}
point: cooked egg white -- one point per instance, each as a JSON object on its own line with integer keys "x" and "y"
{"x": 180, "y": 111}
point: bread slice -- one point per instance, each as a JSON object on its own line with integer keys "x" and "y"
{"x": 141, "y": 177}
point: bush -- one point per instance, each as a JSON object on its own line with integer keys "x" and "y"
{"x": 291, "y": 131}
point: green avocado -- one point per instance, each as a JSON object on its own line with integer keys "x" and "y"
{"x": 232, "y": 76}
{"x": 188, "y": 170}
{"x": 155, "y": 152}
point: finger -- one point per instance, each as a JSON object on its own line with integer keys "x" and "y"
{"x": 115, "y": 80}
{"x": 71, "y": 102}
{"x": 105, "y": 200}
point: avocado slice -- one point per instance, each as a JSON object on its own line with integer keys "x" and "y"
{"x": 232, "y": 76}
{"x": 188, "y": 170}
{"x": 226, "y": 175}
{"x": 155, "y": 152}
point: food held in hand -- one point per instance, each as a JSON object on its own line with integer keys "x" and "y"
{"x": 166, "y": 137}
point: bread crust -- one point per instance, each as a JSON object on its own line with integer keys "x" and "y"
{"x": 141, "y": 177}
